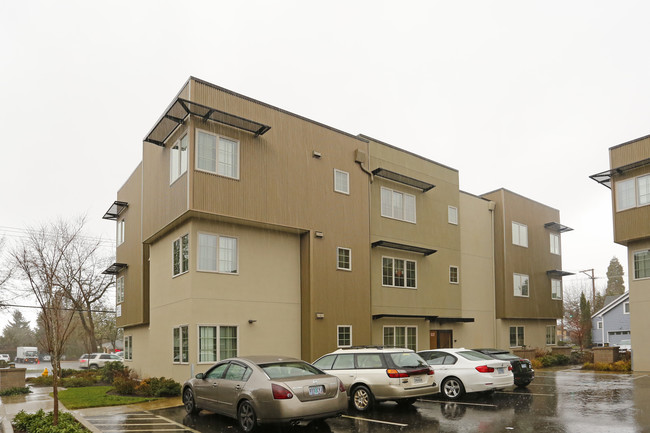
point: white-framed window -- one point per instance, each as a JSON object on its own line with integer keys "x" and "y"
{"x": 218, "y": 254}
{"x": 399, "y": 273}
{"x": 181, "y": 255}
{"x": 217, "y": 154}
{"x": 643, "y": 190}
{"x": 520, "y": 234}
{"x": 118, "y": 310}
{"x": 599, "y": 324}
{"x": 626, "y": 308}
{"x": 341, "y": 181}
{"x": 642, "y": 264}
{"x": 128, "y": 347}
{"x": 452, "y": 215}
{"x": 551, "y": 333}
{"x": 121, "y": 226}
{"x": 625, "y": 195}
{"x": 178, "y": 159}
{"x": 555, "y": 243}
{"x": 516, "y": 336}
{"x": 217, "y": 343}
{"x": 556, "y": 289}
{"x": 119, "y": 290}
{"x": 397, "y": 205}
{"x": 453, "y": 274}
{"x": 521, "y": 285}
{"x": 344, "y": 336}
{"x": 181, "y": 344}
{"x": 401, "y": 336}
{"x": 344, "y": 259}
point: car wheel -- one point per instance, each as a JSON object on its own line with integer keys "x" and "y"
{"x": 362, "y": 398}
{"x": 94, "y": 367}
{"x": 452, "y": 388}
{"x": 523, "y": 383}
{"x": 189, "y": 402}
{"x": 246, "y": 416}
{"x": 406, "y": 401}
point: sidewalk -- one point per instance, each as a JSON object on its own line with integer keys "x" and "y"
{"x": 40, "y": 398}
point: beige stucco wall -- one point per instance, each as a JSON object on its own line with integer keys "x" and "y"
{"x": 639, "y": 306}
{"x": 534, "y": 332}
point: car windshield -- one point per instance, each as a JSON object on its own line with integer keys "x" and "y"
{"x": 408, "y": 360}
{"x": 281, "y": 370}
{"x": 474, "y": 356}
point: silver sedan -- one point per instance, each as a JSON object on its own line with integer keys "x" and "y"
{"x": 261, "y": 390}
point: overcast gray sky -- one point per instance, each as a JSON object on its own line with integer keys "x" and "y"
{"x": 525, "y": 95}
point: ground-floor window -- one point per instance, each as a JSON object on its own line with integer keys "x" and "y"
{"x": 217, "y": 343}
{"x": 181, "y": 344}
{"x": 128, "y": 347}
{"x": 551, "y": 332}
{"x": 401, "y": 336}
{"x": 344, "y": 336}
{"x": 516, "y": 336}
{"x": 227, "y": 342}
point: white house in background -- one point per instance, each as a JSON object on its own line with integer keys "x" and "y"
{"x": 611, "y": 324}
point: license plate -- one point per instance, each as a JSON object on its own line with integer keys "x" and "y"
{"x": 524, "y": 366}
{"x": 316, "y": 390}
{"x": 417, "y": 379}
{"x": 500, "y": 370}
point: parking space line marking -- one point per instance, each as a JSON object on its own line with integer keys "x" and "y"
{"x": 158, "y": 429}
{"x": 375, "y": 421}
{"x": 133, "y": 424}
{"x": 459, "y": 402}
{"x": 639, "y": 377}
{"x": 521, "y": 393}
{"x": 184, "y": 427}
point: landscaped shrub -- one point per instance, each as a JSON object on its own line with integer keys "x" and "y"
{"x": 125, "y": 385}
{"x": 619, "y": 366}
{"x": 41, "y": 422}
{"x": 76, "y": 382}
{"x": 158, "y": 387}
{"x": 40, "y": 380}
{"x": 15, "y": 391}
{"x": 112, "y": 370}
{"x": 3, "y": 363}
{"x": 578, "y": 358}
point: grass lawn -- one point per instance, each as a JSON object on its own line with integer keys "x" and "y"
{"x": 95, "y": 396}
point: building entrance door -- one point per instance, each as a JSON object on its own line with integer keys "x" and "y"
{"x": 441, "y": 339}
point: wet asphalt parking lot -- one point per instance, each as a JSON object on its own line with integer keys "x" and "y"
{"x": 556, "y": 401}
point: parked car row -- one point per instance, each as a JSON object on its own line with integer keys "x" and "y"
{"x": 97, "y": 360}
{"x": 262, "y": 390}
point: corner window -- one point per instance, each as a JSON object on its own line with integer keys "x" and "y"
{"x": 555, "y": 243}
{"x": 181, "y": 345}
{"x": 453, "y": 274}
{"x": 641, "y": 264}
{"x": 344, "y": 259}
{"x": 556, "y": 289}
{"x": 643, "y": 190}
{"x": 128, "y": 347}
{"x": 551, "y": 333}
{"x": 516, "y": 336}
{"x": 341, "y": 182}
{"x": 521, "y": 285}
{"x": 217, "y": 254}
{"x": 217, "y": 154}
{"x": 401, "y": 336}
{"x": 181, "y": 255}
{"x": 120, "y": 231}
{"x": 520, "y": 234}
{"x": 344, "y": 336}
{"x": 217, "y": 343}
{"x": 178, "y": 159}
{"x": 397, "y": 205}
{"x": 119, "y": 290}
{"x": 398, "y": 273}
{"x": 625, "y": 195}
{"x": 452, "y": 215}
{"x": 118, "y": 310}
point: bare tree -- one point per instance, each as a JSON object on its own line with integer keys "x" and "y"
{"x": 40, "y": 259}
{"x": 5, "y": 273}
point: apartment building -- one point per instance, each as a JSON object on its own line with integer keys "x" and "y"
{"x": 629, "y": 180}
{"x": 247, "y": 229}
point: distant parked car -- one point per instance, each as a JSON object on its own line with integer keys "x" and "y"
{"x": 5, "y": 357}
{"x": 522, "y": 368}
{"x": 44, "y": 357}
{"x": 625, "y": 345}
{"x": 463, "y": 370}
{"x": 264, "y": 389}
{"x": 374, "y": 374}
{"x": 97, "y": 360}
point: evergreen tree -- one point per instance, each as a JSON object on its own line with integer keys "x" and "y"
{"x": 585, "y": 321}
{"x": 17, "y": 332}
{"x": 615, "y": 284}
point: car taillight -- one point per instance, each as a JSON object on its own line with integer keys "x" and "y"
{"x": 391, "y": 372}
{"x": 341, "y": 386}
{"x": 484, "y": 369}
{"x": 280, "y": 392}
{"x": 430, "y": 372}
{"x": 510, "y": 368}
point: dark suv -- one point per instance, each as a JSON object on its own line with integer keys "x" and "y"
{"x": 521, "y": 367}
{"x": 373, "y": 374}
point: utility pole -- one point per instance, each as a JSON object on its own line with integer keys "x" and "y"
{"x": 593, "y": 285}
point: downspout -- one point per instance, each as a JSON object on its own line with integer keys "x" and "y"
{"x": 491, "y": 206}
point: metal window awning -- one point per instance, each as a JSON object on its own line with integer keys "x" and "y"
{"x": 558, "y": 273}
{"x": 403, "y": 247}
{"x": 455, "y": 319}
{"x": 181, "y": 108}
{"x": 605, "y": 177}
{"x": 425, "y": 317}
{"x": 115, "y": 210}
{"x": 115, "y": 268}
{"x": 406, "y": 180}
{"x": 557, "y": 227}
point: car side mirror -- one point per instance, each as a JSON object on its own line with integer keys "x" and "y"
{"x": 199, "y": 376}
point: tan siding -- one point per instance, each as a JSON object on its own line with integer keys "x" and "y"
{"x": 629, "y": 153}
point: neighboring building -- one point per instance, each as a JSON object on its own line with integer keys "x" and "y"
{"x": 629, "y": 180}
{"x": 611, "y": 324}
{"x": 248, "y": 229}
